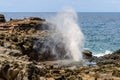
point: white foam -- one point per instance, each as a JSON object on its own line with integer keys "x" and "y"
{"x": 102, "y": 54}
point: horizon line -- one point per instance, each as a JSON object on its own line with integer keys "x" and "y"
{"x": 58, "y": 11}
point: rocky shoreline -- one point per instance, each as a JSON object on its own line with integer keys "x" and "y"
{"x": 22, "y": 59}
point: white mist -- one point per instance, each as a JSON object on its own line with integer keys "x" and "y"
{"x": 68, "y": 28}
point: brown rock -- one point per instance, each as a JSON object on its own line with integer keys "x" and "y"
{"x": 116, "y": 73}
{"x": 36, "y": 18}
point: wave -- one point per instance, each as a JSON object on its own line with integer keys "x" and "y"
{"x": 102, "y": 54}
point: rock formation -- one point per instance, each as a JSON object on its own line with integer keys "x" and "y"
{"x": 2, "y": 18}
{"x": 25, "y": 44}
{"x": 32, "y": 37}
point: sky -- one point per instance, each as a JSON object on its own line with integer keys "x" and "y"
{"x": 57, "y": 5}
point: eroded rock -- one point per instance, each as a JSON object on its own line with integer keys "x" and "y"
{"x": 26, "y": 40}
{"x": 2, "y": 18}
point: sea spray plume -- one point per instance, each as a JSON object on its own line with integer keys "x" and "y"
{"x": 65, "y": 39}
{"x": 69, "y": 32}
{"x": 49, "y": 47}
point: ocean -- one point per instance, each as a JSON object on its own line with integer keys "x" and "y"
{"x": 101, "y": 30}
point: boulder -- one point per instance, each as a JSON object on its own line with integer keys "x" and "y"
{"x": 2, "y": 18}
{"x": 117, "y": 52}
{"x": 87, "y": 53}
{"x": 112, "y": 59}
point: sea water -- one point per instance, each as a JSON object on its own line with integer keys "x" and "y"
{"x": 101, "y": 30}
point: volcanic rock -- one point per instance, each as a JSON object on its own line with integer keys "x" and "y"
{"x": 32, "y": 37}
{"x": 36, "y": 18}
{"x": 2, "y": 18}
{"x": 26, "y": 45}
{"x": 113, "y": 59}
{"x": 87, "y": 53}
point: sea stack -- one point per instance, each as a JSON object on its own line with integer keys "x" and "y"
{"x": 2, "y": 18}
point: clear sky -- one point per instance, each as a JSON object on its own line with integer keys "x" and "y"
{"x": 56, "y": 5}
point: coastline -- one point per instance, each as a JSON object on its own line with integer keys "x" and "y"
{"x": 19, "y": 60}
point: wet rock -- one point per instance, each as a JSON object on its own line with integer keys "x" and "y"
{"x": 113, "y": 59}
{"x": 46, "y": 47}
{"x": 87, "y": 53}
{"x": 117, "y": 51}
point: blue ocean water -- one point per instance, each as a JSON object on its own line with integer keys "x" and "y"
{"x": 101, "y": 30}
